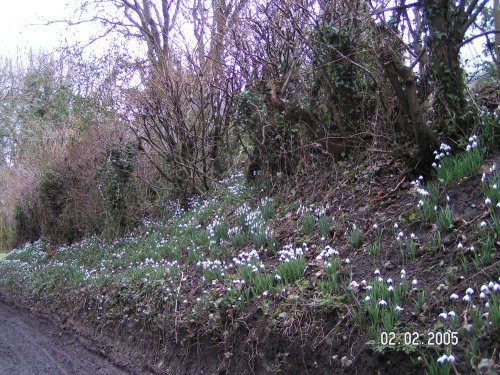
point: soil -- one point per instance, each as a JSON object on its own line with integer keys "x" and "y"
{"x": 31, "y": 345}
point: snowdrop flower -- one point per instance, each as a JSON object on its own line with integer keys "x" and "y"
{"x": 466, "y": 298}
{"x": 454, "y": 297}
{"x": 380, "y": 279}
{"x": 367, "y": 299}
{"x": 498, "y": 205}
{"x": 443, "y": 316}
{"x": 382, "y": 303}
{"x": 469, "y": 291}
{"x": 265, "y": 293}
{"x": 434, "y": 165}
{"x": 483, "y": 178}
{"x": 413, "y": 236}
{"x": 403, "y": 273}
{"x": 369, "y": 287}
{"x": 487, "y": 305}
{"x": 277, "y": 277}
{"x": 375, "y": 226}
{"x": 451, "y": 314}
{"x": 422, "y": 192}
{"x": 377, "y": 272}
{"x": 414, "y": 283}
{"x": 491, "y": 284}
{"x": 389, "y": 281}
{"x": 347, "y": 261}
{"x": 396, "y": 226}
{"x": 482, "y": 295}
{"x": 442, "y": 360}
{"x": 496, "y": 288}
{"x": 390, "y": 289}
{"x": 484, "y": 288}
{"x": 493, "y": 167}
{"x": 451, "y": 358}
{"x": 460, "y": 246}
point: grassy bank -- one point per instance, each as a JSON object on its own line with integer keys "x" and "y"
{"x": 316, "y": 275}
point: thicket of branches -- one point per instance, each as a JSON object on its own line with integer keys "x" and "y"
{"x": 222, "y": 83}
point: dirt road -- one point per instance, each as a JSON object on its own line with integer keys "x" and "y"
{"x": 30, "y": 345}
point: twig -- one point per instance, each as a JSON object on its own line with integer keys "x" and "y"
{"x": 392, "y": 190}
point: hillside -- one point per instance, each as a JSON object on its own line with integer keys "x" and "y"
{"x": 365, "y": 269}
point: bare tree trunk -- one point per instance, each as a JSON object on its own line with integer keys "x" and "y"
{"x": 497, "y": 35}
{"x": 404, "y": 85}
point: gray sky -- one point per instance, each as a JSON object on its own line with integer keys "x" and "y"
{"x": 18, "y": 14}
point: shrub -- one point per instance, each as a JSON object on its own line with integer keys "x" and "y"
{"x": 116, "y": 185}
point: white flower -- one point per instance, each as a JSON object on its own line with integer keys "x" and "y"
{"x": 382, "y": 303}
{"x": 484, "y": 288}
{"x": 413, "y": 236}
{"x": 442, "y": 360}
{"x": 466, "y": 298}
{"x": 452, "y": 314}
{"x": 487, "y": 201}
{"x": 377, "y": 272}
{"x": 403, "y": 273}
{"x": 482, "y": 295}
{"x": 469, "y": 291}
{"x": 389, "y": 281}
{"x": 265, "y": 293}
{"x": 375, "y": 226}
{"x": 390, "y": 289}
{"x": 443, "y": 316}
{"x": 460, "y": 246}
{"x": 277, "y": 277}
{"x": 454, "y": 297}
{"x": 414, "y": 283}
{"x": 367, "y": 299}
{"x": 347, "y": 261}
{"x": 496, "y": 288}
{"x": 423, "y": 193}
{"x": 398, "y": 308}
{"x": 487, "y": 305}
{"x": 451, "y": 358}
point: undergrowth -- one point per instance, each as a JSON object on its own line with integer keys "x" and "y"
{"x": 204, "y": 267}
